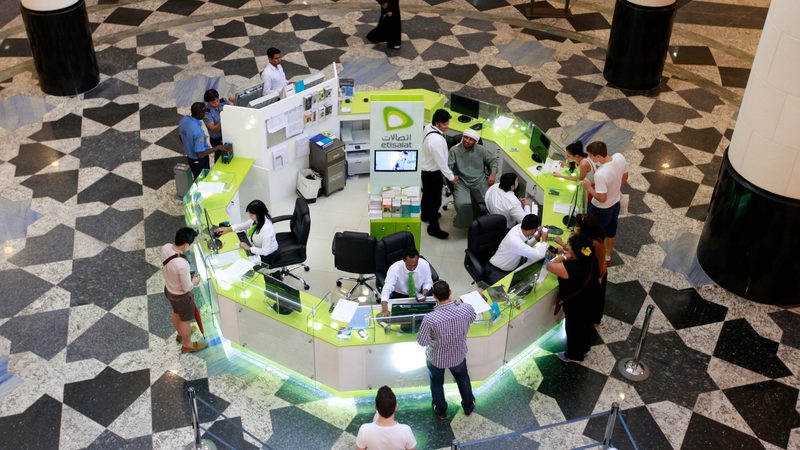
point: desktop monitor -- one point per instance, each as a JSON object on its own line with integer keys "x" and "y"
{"x": 266, "y": 100}
{"x": 395, "y": 160}
{"x": 286, "y": 298}
{"x": 245, "y": 96}
{"x": 524, "y": 278}
{"x": 539, "y": 145}
{"x": 214, "y": 244}
{"x": 409, "y": 314}
{"x": 467, "y": 107}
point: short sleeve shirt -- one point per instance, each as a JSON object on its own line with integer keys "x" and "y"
{"x": 212, "y": 117}
{"x": 193, "y": 136}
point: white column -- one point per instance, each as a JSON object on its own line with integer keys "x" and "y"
{"x": 765, "y": 148}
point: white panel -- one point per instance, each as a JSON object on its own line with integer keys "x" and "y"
{"x": 229, "y": 322}
{"x": 785, "y": 130}
{"x": 761, "y": 106}
{"x": 766, "y": 164}
{"x": 277, "y": 342}
{"x": 341, "y": 368}
{"x": 47, "y": 5}
{"x": 784, "y": 72}
{"x": 739, "y": 147}
{"x": 783, "y": 16}
{"x": 531, "y": 324}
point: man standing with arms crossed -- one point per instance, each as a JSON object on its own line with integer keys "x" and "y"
{"x": 611, "y": 175}
{"x": 434, "y": 165}
{"x": 444, "y": 333}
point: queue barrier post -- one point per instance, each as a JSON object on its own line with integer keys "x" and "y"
{"x": 197, "y": 443}
{"x": 632, "y": 368}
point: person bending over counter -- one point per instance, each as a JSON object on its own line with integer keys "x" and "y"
{"x": 260, "y": 232}
{"x": 468, "y": 160}
{"x": 520, "y": 244}
{"x": 406, "y": 278}
{"x": 586, "y": 167}
{"x": 193, "y": 138}
{"x": 500, "y": 199}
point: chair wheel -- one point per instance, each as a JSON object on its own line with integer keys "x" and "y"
{"x": 338, "y": 284}
{"x": 306, "y": 268}
{"x": 305, "y": 286}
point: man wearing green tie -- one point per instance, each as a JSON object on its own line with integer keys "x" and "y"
{"x": 409, "y": 277}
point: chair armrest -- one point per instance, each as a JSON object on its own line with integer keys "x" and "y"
{"x": 473, "y": 265}
{"x": 281, "y": 218}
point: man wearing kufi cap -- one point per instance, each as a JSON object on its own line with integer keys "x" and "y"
{"x": 470, "y": 163}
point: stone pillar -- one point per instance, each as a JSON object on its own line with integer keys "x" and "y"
{"x": 61, "y": 44}
{"x": 750, "y": 243}
{"x": 638, "y": 43}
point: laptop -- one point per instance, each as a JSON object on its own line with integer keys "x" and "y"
{"x": 524, "y": 278}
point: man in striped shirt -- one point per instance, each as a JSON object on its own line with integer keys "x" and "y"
{"x": 444, "y": 333}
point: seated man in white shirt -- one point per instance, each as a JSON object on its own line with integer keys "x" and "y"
{"x": 384, "y": 433}
{"x": 406, "y": 278}
{"x": 500, "y": 199}
{"x": 521, "y": 241}
{"x": 273, "y": 77}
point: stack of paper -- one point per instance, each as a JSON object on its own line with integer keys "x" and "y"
{"x": 344, "y": 311}
{"x": 476, "y": 300}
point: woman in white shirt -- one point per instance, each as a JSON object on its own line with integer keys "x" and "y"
{"x": 586, "y": 167}
{"x": 259, "y": 230}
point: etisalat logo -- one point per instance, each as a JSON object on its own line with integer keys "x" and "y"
{"x": 395, "y": 119}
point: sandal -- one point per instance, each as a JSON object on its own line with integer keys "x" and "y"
{"x": 197, "y": 347}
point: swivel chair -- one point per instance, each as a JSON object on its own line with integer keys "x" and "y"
{"x": 485, "y": 235}
{"x": 391, "y": 249}
{"x": 291, "y": 253}
{"x": 355, "y": 253}
{"x": 478, "y": 204}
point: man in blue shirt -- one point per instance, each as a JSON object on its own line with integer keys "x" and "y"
{"x": 193, "y": 138}
{"x": 214, "y": 106}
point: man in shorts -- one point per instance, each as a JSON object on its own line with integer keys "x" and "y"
{"x": 611, "y": 175}
{"x": 179, "y": 282}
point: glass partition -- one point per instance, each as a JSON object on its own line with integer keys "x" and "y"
{"x": 360, "y": 330}
{"x": 517, "y": 135}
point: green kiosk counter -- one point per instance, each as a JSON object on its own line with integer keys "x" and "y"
{"x": 296, "y": 331}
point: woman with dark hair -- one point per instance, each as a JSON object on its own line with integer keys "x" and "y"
{"x": 575, "y": 153}
{"x": 588, "y": 225}
{"x": 259, "y": 230}
{"x": 578, "y": 273}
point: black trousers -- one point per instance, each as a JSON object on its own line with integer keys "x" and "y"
{"x": 197, "y": 165}
{"x": 215, "y": 142}
{"x": 431, "y": 201}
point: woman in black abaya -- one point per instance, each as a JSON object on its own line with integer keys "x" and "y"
{"x": 388, "y": 29}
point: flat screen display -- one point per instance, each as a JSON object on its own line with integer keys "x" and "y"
{"x": 465, "y": 106}
{"x": 286, "y": 298}
{"x": 396, "y": 160}
{"x": 245, "y": 96}
{"x": 539, "y": 145}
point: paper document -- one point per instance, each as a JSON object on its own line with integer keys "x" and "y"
{"x": 223, "y": 259}
{"x": 210, "y": 187}
{"x": 294, "y": 121}
{"x": 561, "y": 208}
{"x": 344, "y": 310}
{"x": 476, "y": 300}
{"x": 235, "y": 271}
{"x": 276, "y": 123}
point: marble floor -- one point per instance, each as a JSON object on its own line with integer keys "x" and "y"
{"x": 88, "y": 197}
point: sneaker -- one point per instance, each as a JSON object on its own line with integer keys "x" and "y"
{"x": 468, "y": 411}
{"x": 197, "y": 347}
{"x": 563, "y": 356}
{"x": 438, "y": 233}
{"x": 437, "y": 413}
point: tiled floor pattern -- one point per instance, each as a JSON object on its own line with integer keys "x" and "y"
{"x": 88, "y": 197}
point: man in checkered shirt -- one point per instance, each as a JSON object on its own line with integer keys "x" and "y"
{"x": 444, "y": 334}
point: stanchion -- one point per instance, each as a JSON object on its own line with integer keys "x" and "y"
{"x": 198, "y": 443}
{"x": 632, "y": 368}
{"x": 612, "y": 420}
{"x": 455, "y": 445}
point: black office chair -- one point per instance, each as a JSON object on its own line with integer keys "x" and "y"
{"x": 291, "y": 253}
{"x": 391, "y": 249}
{"x": 485, "y": 235}
{"x": 478, "y": 204}
{"x": 355, "y": 253}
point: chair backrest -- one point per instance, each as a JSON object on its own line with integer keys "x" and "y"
{"x": 478, "y": 203}
{"x": 354, "y": 252}
{"x": 391, "y": 249}
{"x": 485, "y": 234}
{"x": 300, "y": 224}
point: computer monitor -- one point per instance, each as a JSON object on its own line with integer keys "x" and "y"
{"x": 408, "y": 314}
{"x": 214, "y": 244}
{"x": 286, "y": 298}
{"x": 266, "y": 100}
{"x": 245, "y": 96}
{"x": 395, "y": 160}
{"x": 467, "y": 107}
{"x": 539, "y": 145}
{"x": 524, "y": 278}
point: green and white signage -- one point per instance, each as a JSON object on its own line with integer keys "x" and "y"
{"x": 395, "y": 134}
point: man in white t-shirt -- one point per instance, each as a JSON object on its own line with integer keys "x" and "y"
{"x": 273, "y": 77}
{"x": 384, "y": 433}
{"x": 607, "y": 190}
